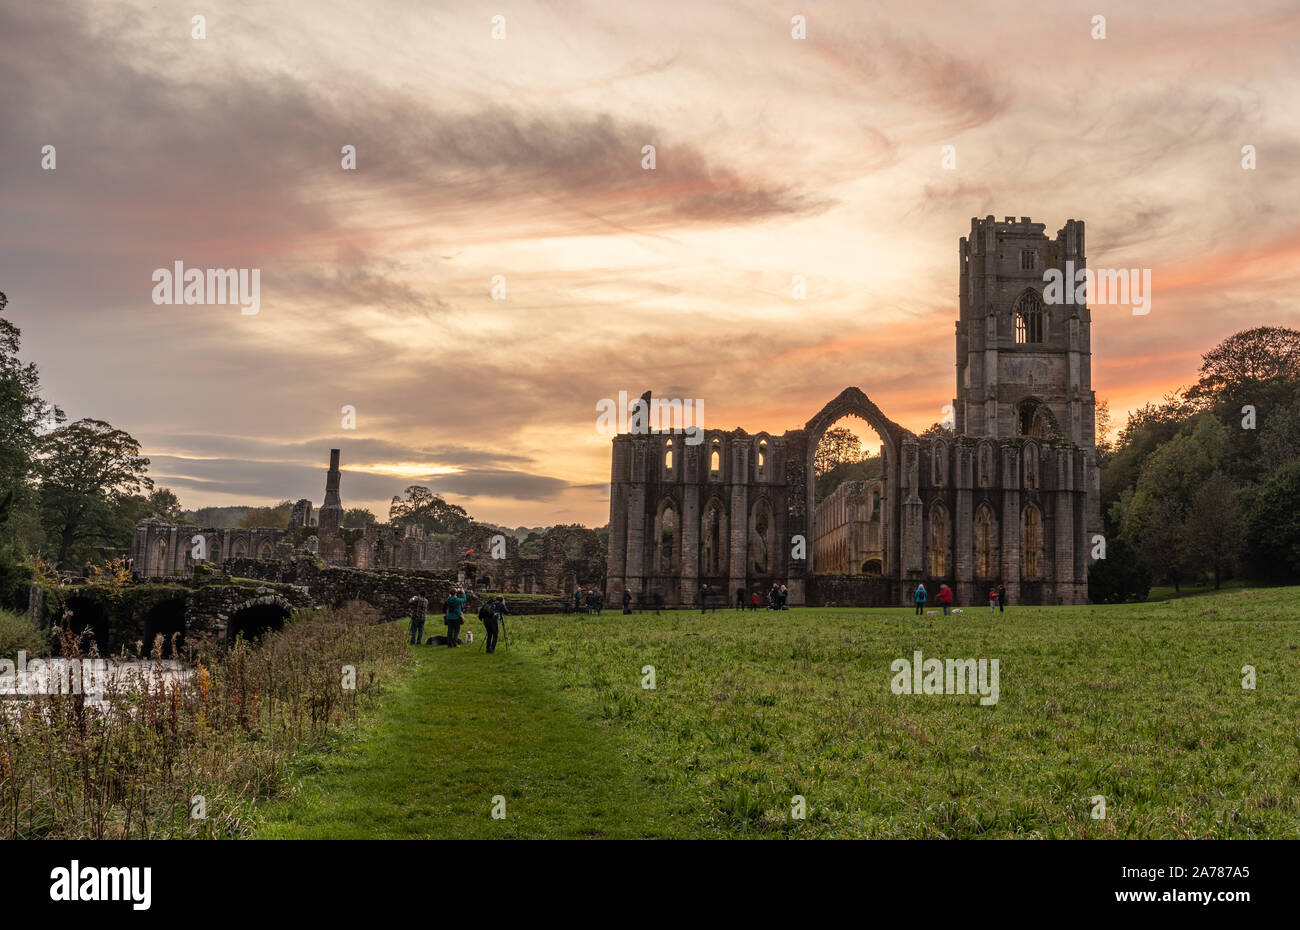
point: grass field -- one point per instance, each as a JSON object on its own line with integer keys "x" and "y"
{"x": 1141, "y": 704}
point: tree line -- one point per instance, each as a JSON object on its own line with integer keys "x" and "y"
{"x": 1203, "y": 485}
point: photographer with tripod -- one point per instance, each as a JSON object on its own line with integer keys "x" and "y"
{"x": 494, "y": 612}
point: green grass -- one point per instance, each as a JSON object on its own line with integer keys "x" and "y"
{"x": 460, "y": 729}
{"x": 1142, "y": 704}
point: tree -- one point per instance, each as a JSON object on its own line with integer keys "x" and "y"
{"x": 165, "y": 505}
{"x": 422, "y": 507}
{"x": 1273, "y": 527}
{"x": 355, "y": 518}
{"x": 86, "y": 468}
{"x": 1157, "y": 516}
{"x": 1101, "y": 422}
{"x": 1120, "y": 577}
{"x": 276, "y": 517}
{"x": 24, "y": 414}
{"x": 1248, "y": 360}
{"x": 1214, "y": 527}
{"x": 838, "y": 446}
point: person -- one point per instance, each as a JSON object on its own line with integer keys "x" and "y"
{"x": 659, "y": 600}
{"x": 740, "y": 598}
{"x": 704, "y": 597}
{"x": 993, "y": 599}
{"x": 784, "y": 596}
{"x": 599, "y": 597}
{"x": 627, "y": 601}
{"x": 773, "y": 598}
{"x": 419, "y": 605}
{"x": 753, "y": 601}
{"x": 491, "y": 615}
{"x": 454, "y": 616}
{"x": 1002, "y": 598}
{"x": 920, "y": 597}
{"x": 945, "y": 598}
{"x": 577, "y": 600}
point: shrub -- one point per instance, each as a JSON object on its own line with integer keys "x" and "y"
{"x": 18, "y": 632}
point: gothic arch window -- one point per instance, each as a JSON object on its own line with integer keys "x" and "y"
{"x": 986, "y": 542}
{"x": 986, "y": 465}
{"x": 762, "y": 453}
{"x": 1031, "y": 542}
{"x": 1031, "y": 466}
{"x": 1030, "y": 419}
{"x": 665, "y": 541}
{"x": 938, "y": 541}
{"x": 266, "y": 552}
{"x": 1029, "y": 318}
{"x": 239, "y": 550}
{"x": 715, "y": 459}
{"x": 160, "y": 557}
{"x": 762, "y": 537}
{"x": 668, "y": 456}
{"x": 939, "y": 461}
{"x": 712, "y": 539}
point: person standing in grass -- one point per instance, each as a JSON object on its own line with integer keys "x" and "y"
{"x": 993, "y": 599}
{"x": 627, "y": 601}
{"x": 919, "y": 597}
{"x": 753, "y": 601}
{"x": 496, "y": 609}
{"x": 577, "y": 600}
{"x": 419, "y": 606}
{"x": 944, "y": 598}
{"x": 454, "y": 616}
{"x": 1002, "y": 598}
{"x": 785, "y": 596}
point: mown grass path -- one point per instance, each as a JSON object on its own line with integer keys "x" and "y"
{"x": 457, "y": 730}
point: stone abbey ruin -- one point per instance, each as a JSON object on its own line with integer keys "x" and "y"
{"x": 1010, "y": 495}
{"x": 568, "y": 557}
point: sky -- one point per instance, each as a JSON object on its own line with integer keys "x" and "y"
{"x": 520, "y": 159}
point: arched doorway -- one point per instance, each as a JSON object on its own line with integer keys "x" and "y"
{"x": 255, "y": 618}
{"x": 165, "y": 619}
{"x": 87, "y": 619}
{"x": 882, "y": 497}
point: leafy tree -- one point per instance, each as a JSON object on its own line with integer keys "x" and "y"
{"x": 838, "y": 445}
{"x": 356, "y": 518}
{"x": 23, "y": 416}
{"x": 1214, "y": 528}
{"x": 1156, "y": 518}
{"x": 1248, "y": 360}
{"x": 422, "y": 507}
{"x": 1120, "y": 577}
{"x": 1273, "y": 527}
{"x": 276, "y": 517}
{"x": 86, "y": 468}
{"x": 165, "y": 505}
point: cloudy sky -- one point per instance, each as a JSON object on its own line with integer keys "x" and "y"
{"x": 522, "y": 157}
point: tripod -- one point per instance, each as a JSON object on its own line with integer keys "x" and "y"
{"x": 505, "y": 634}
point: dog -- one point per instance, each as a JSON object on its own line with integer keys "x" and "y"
{"x": 441, "y": 639}
{"x": 958, "y": 610}
{"x": 932, "y": 613}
